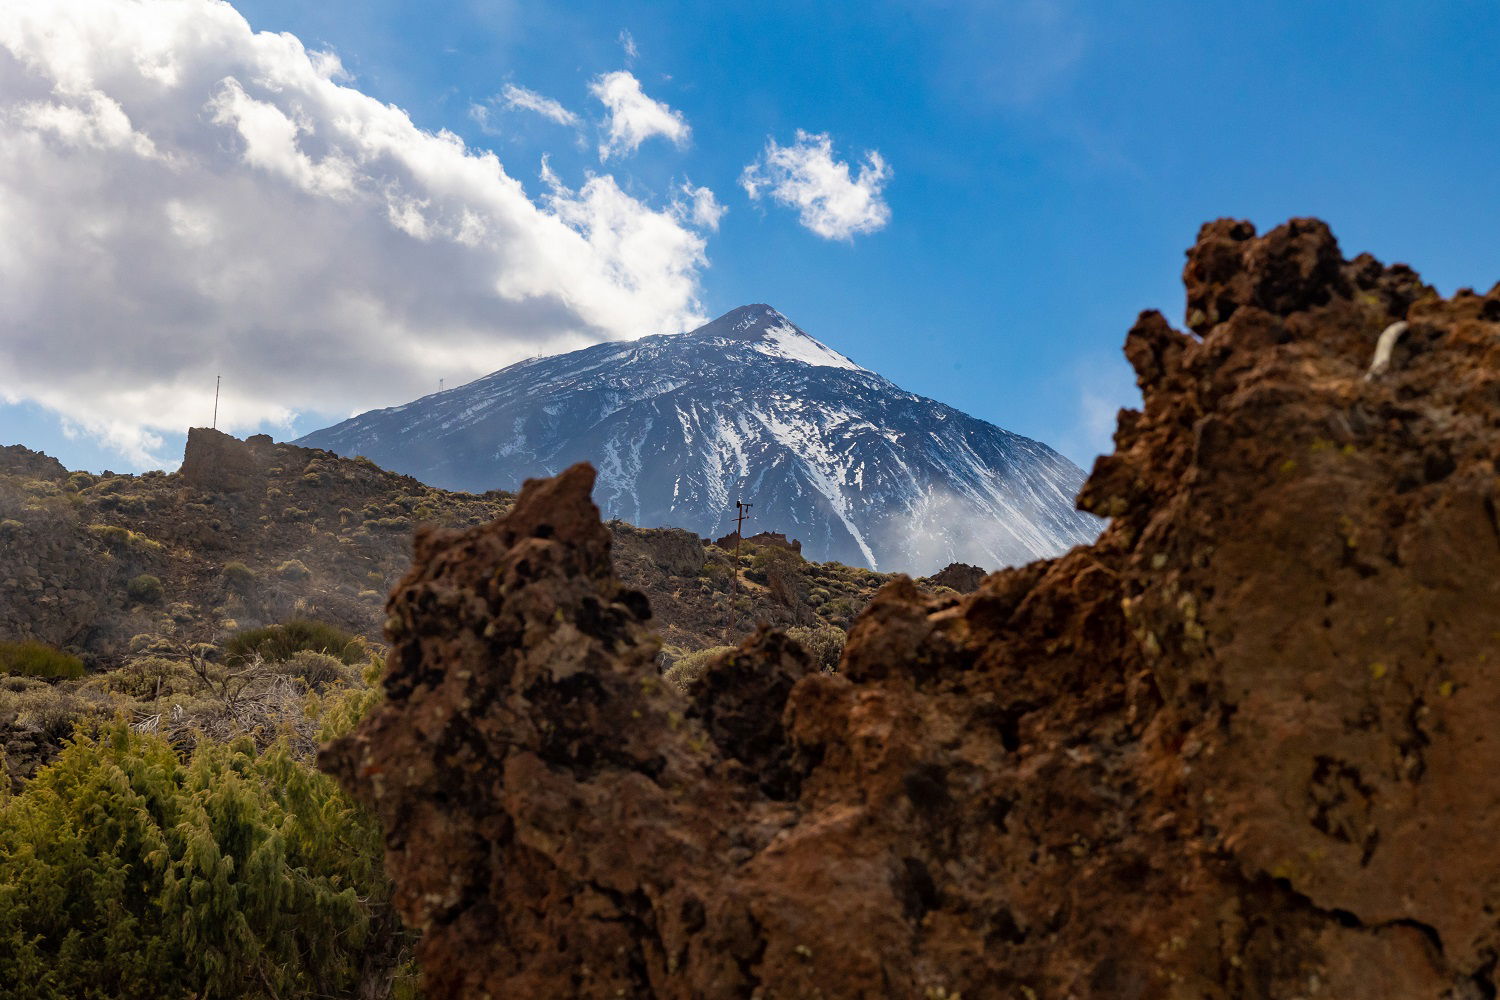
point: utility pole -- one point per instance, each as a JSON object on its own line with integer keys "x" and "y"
{"x": 217, "y": 380}
{"x": 742, "y": 514}
{"x": 440, "y": 385}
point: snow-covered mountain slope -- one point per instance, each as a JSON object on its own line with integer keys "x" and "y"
{"x": 747, "y": 407}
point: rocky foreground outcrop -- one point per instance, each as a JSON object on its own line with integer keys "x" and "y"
{"x": 1243, "y": 746}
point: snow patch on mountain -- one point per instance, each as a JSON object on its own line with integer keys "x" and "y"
{"x": 790, "y": 344}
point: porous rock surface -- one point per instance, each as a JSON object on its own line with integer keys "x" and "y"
{"x": 1243, "y": 746}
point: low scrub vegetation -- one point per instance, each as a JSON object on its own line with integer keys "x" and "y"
{"x": 144, "y": 589}
{"x": 293, "y": 569}
{"x": 128, "y": 870}
{"x": 123, "y": 538}
{"x": 279, "y": 643}
{"x": 238, "y": 576}
{"x": 163, "y": 833}
{"x": 37, "y": 659}
{"x": 691, "y": 666}
{"x": 824, "y": 644}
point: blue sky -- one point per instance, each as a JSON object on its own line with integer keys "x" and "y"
{"x": 1049, "y": 163}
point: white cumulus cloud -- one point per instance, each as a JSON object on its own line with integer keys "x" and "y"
{"x": 829, "y": 201}
{"x": 699, "y": 206}
{"x": 634, "y": 117}
{"x": 182, "y": 197}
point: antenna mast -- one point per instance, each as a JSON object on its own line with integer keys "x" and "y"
{"x": 217, "y": 380}
{"x": 741, "y": 516}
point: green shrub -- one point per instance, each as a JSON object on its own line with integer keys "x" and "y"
{"x": 719, "y": 574}
{"x": 150, "y": 677}
{"x": 317, "y": 670}
{"x": 128, "y": 872}
{"x": 150, "y": 642}
{"x": 123, "y": 538}
{"x": 691, "y": 667}
{"x": 144, "y": 589}
{"x": 841, "y": 611}
{"x": 238, "y": 576}
{"x": 824, "y": 644}
{"x": 51, "y": 709}
{"x": 279, "y": 643}
{"x": 126, "y": 503}
{"x": 108, "y": 482}
{"x": 111, "y": 534}
{"x": 30, "y": 658}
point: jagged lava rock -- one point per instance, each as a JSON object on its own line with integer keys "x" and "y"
{"x": 1241, "y": 747}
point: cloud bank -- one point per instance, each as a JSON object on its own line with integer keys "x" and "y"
{"x": 829, "y": 201}
{"x": 634, "y": 117}
{"x": 181, "y": 197}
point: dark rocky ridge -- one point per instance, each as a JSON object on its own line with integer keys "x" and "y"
{"x": 1241, "y": 747}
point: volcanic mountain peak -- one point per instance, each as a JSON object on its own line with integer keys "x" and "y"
{"x": 746, "y": 407}
{"x": 769, "y": 332}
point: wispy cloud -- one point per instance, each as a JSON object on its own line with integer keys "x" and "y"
{"x": 829, "y": 200}
{"x": 220, "y": 202}
{"x": 515, "y": 98}
{"x": 627, "y": 42}
{"x": 634, "y": 117}
{"x": 530, "y": 100}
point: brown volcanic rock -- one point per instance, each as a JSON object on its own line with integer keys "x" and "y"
{"x": 553, "y": 767}
{"x": 1243, "y": 746}
{"x": 772, "y": 539}
{"x": 1313, "y": 570}
{"x": 213, "y": 460}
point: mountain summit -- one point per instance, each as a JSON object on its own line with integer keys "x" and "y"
{"x": 747, "y": 407}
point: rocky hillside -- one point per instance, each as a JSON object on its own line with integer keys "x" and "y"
{"x": 748, "y": 407}
{"x": 1241, "y": 747}
{"x": 250, "y": 533}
